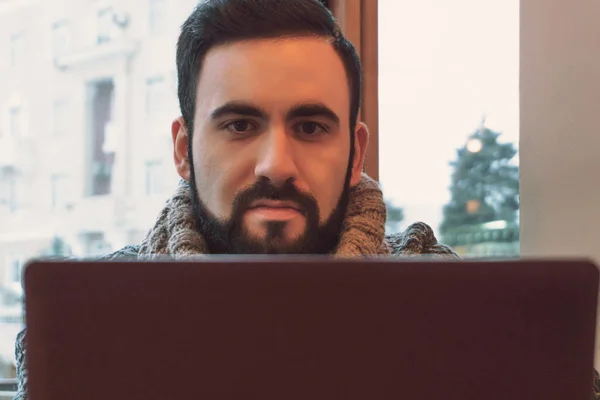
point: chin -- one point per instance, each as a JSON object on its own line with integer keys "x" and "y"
{"x": 266, "y": 238}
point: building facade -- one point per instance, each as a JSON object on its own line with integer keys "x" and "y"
{"x": 87, "y": 96}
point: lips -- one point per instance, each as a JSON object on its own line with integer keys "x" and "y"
{"x": 276, "y": 204}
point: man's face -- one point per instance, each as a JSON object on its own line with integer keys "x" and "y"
{"x": 271, "y": 146}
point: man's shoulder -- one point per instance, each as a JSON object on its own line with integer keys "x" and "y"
{"x": 126, "y": 253}
{"x": 418, "y": 239}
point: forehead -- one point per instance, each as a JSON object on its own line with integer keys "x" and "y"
{"x": 275, "y": 73}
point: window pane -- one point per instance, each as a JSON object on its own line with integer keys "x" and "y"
{"x": 449, "y": 120}
{"x": 102, "y": 158}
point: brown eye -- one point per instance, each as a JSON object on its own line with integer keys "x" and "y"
{"x": 240, "y": 126}
{"x": 310, "y": 129}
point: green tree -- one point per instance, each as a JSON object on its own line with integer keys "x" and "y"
{"x": 395, "y": 215}
{"x": 485, "y": 183}
{"x": 58, "y": 248}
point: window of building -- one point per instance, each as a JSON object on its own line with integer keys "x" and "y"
{"x": 102, "y": 155}
{"x": 60, "y": 38}
{"x": 105, "y": 24}
{"x": 96, "y": 244}
{"x": 15, "y": 265}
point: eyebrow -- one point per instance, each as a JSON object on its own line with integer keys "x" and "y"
{"x": 238, "y": 108}
{"x": 303, "y": 110}
{"x": 313, "y": 110}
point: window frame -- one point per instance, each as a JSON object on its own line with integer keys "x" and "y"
{"x": 358, "y": 20}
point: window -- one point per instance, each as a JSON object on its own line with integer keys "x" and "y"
{"x": 448, "y": 75}
{"x": 105, "y": 25}
{"x": 60, "y": 38}
{"x": 157, "y": 17}
{"x": 102, "y": 154}
{"x": 15, "y": 269}
{"x": 96, "y": 245}
{"x": 156, "y": 93}
{"x": 15, "y": 122}
{"x": 17, "y": 50}
{"x": 154, "y": 177}
{"x": 60, "y": 117}
{"x": 449, "y": 119}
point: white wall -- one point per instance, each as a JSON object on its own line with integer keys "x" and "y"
{"x": 560, "y": 129}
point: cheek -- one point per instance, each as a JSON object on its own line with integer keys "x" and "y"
{"x": 325, "y": 175}
{"x": 220, "y": 174}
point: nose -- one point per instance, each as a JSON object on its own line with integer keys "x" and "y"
{"x": 276, "y": 162}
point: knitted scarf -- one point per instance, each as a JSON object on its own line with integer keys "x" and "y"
{"x": 363, "y": 228}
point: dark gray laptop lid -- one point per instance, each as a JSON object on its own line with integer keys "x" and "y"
{"x": 298, "y": 329}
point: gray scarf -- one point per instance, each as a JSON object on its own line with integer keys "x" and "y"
{"x": 363, "y": 229}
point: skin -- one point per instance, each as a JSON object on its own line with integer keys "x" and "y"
{"x": 275, "y": 109}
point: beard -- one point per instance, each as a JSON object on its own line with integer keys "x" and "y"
{"x": 231, "y": 237}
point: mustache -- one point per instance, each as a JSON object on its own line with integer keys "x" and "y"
{"x": 264, "y": 189}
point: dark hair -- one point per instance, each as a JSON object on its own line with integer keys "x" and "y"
{"x": 217, "y": 22}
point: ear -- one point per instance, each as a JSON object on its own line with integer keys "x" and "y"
{"x": 180, "y": 137}
{"x": 361, "y": 141}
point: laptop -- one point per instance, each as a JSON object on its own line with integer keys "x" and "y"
{"x": 311, "y": 328}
